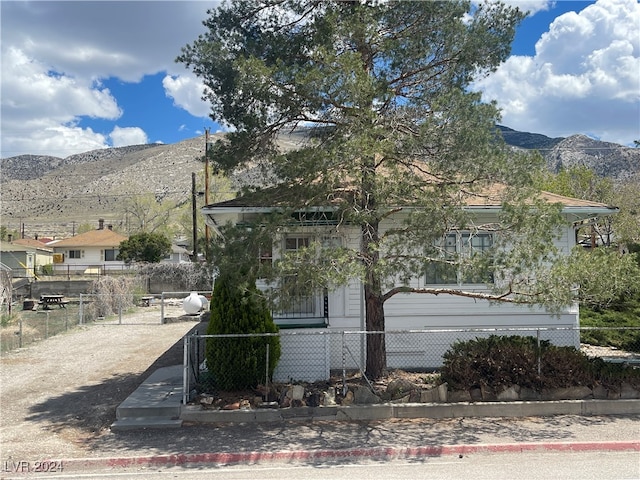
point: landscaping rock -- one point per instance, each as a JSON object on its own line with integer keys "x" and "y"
{"x": 330, "y": 396}
{"x": 456, "y": 396}
{"x": 510, "y": 394}
{"x": 570, "y": 393}
{"x": 600, "y": 393}
{"x": 628, "y": 391}
{"x": 348, "y": 399}
{"x": 364, "y": 396}
{"x": 400, "y": 387}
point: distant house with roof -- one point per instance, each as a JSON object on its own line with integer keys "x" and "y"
{"x": 92, "y": 252}
{"x": 25, "y": 257}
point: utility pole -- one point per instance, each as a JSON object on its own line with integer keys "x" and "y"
{"x": 194, "y": 216}
{"x": 206, "y": 184}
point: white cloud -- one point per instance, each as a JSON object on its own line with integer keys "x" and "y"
{"x": 56, "y": 53}
{"x": 584, "y": 77}
{"x": 186, "y": 91}
{"x": 123, "y": 136}
{"x": 531, "y": 6}
{"x": 40, "y": 109}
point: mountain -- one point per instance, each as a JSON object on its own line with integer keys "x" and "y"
{"x": 604, "y": 158}
{"x": 50, "y": 196}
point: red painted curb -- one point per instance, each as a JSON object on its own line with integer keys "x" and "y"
{"x": 309, "y": 455}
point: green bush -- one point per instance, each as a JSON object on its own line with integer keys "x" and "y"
{"x": 237, "y": 307}
{"x": 498, "y": 362}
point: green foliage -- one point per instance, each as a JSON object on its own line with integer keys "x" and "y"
{"x": 617, "y": 326}
{"x": 237, "y": 307}
{"x": 149, "y": 213}
{"x": 398, "y": 137}
{"x": 577, "y": 182}
{"x": 144, "y": 247}
{"x": 498, "y": 362}
{"x": 47, "y": 269}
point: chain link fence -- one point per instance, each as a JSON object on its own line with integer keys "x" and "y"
{"x": 319, "y": 355}
{"x": 35, "y": 320}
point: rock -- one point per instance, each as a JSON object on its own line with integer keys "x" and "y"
{"x": 404, "y": 399}
{"x": 570, "y": 393}
{"x": 330, "y": 396}
{"x": 488, "y": 395}
{"x": 364, "y": 396}
{"x": 348, "y": 398}
{"x": 475, "y": 394}
{"x": 628, "y": 391}
{"x": 400, "y": 387}
{"x": 443, "y": 392}
{"x": 206, "y": 400}
{"x": 314, "y": 400}
{"x": 510, "y": 394}
{"x": 459, "y": 396}
{"x": 296, "y": 392}
{"x": 434, "y": 395}
{"x": 527, "y": 394}
{"x": 600, "y": 393}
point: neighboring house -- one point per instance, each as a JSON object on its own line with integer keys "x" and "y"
{"x": 43, "y": 252}
{"x": 178, "y": 255}
{"x": 343, "y": 308}
{"x": 92, "y": 252}
{"x": 20, "y": 259}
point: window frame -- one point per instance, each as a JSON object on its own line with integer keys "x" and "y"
{"x": 459, "y": 244}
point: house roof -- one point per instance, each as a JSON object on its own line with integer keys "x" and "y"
{"x": 489, "y": 198}
{"x": 93, "y": 238}
{"x": 32, "y": 242}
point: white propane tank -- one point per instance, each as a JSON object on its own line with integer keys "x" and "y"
{"x": 192, "y": 304}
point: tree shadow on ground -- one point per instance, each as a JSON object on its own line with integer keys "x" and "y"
{"x": 92, "y": 408}
{"x": 392, "y": 435}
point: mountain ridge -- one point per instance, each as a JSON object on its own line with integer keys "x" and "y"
{"x": 51, "y": 195}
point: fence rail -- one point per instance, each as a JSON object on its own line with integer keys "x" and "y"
{"x": 319, "y": 354}
{"x": 33, "y": 323}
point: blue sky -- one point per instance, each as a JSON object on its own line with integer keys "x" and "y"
{"x": 82, "y": 75}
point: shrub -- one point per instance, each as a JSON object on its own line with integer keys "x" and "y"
{"x": 494, "y": 362}
{"x": 237, "y": 307}
{"x": 498, "y": 362}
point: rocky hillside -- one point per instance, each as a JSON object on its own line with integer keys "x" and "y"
{"x": 604, "y": 158}
{"x": 51, "y": 195}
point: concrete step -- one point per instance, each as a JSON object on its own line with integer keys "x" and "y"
{"x": 137, "y": 423}
{"x": 158, "y": 396}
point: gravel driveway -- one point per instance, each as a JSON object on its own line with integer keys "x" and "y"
{"x": 57, "y": 397}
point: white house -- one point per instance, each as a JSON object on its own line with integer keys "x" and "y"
{"x": 92, "y": 252}
{"x": 343, "y": 310}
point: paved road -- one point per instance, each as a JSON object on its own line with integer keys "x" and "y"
{"x": 523, "y": 466}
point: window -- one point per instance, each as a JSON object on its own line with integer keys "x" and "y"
{"x": 301, "y": 302}
{"x": 457, "y": 246}
{"x": 75, "y": 253}
{"x": 111, "y": 255}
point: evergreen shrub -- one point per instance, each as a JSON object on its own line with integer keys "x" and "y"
{"x": 238, "y": 307}
{"x": 499, "y": 362}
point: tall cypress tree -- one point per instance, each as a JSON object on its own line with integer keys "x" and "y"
{"x": 237, "y": 307}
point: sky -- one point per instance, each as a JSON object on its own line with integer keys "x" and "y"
{"x": 83, "y": 75}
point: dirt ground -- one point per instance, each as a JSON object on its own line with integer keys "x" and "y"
{"x": 59, "y": 394}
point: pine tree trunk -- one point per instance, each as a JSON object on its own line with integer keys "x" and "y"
{"x": 376, "y": 346}
{"x": 376, "y": 364}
